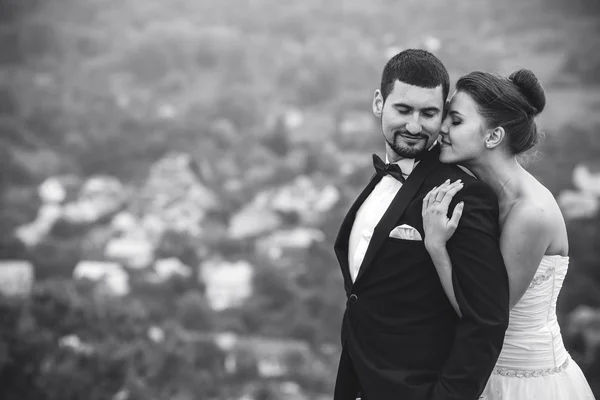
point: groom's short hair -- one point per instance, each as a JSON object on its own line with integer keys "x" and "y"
{"x": 415, "y": 67}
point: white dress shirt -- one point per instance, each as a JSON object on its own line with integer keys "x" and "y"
{"x": 370, "y": 212}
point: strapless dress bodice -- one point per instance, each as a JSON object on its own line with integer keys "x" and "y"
{"x": 533, "y": 342}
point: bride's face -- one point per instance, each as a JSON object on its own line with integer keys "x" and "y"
{"x": 462, "y": 136}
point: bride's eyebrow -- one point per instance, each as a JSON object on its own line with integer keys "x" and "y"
{"x": 454, "y": 112}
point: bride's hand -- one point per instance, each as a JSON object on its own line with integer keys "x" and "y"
{"x": 436, "y": 224}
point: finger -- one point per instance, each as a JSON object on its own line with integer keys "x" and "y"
{"x": 447, "y": 181}
{"x": 430, "y": 195}
{"x": 449, "y": 184}
{"x": 456, "y": 183}
{"x": 452, "y": 185}
{"x": 428, "y": 201}
{"x": 449, "y": 195}
{"x": 456, "y": 214}
{"x": 444, "y": 184}
{"x": 440, "y": 194}
{"x": 425, "y": 204}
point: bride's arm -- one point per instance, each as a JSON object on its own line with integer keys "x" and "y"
{"x": 443, "y": 265}
{"x": 438, "y": 229}
{"x": 525, "y": 237}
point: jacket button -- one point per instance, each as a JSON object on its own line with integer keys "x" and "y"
{"x": 353, "y": 298}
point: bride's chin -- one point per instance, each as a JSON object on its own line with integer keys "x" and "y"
{"x": 445, "y": 158}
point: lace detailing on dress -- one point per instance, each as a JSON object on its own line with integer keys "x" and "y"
{"x": 524, "y": 373}
{"x": 542, "y": 278}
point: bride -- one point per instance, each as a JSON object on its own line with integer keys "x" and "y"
{"x": 491, "y": 120}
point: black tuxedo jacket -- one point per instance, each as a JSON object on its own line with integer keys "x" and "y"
{"x": 401, "y": 338}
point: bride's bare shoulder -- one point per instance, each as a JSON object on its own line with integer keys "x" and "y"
{"x": 535, "y": 207}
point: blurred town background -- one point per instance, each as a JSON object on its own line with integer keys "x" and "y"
{"x": 173, "y": 175}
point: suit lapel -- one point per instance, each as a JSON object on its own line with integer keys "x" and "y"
{"x": 342, "y": 240}
{"x": 408, "y": 191}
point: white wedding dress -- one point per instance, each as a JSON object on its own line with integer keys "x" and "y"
{"x": 533, "y": 363}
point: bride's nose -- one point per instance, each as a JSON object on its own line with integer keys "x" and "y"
{"x": 444, "y": 128}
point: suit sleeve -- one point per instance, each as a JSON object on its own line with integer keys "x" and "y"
{"x": 481, "y": 286}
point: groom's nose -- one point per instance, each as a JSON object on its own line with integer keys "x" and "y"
{"x": 414, "y": 128}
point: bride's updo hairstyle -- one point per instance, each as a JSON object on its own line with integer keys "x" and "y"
{"x": 510, "y": 103}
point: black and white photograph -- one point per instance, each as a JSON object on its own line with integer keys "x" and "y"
{"x": 299, "y": 200}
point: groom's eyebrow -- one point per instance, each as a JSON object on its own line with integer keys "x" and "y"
{"x": 426, "y": 109}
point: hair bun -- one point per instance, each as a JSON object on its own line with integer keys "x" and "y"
{"x": 531, "y": 88}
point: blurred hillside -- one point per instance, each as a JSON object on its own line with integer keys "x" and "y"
{"x": 206, "y": 152}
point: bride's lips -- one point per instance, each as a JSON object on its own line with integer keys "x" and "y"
{"x": 443, "y": 142}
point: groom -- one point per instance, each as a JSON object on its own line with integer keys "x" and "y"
{"x": 401, "y": 338}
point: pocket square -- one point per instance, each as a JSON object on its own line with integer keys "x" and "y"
{"x": 405, "y": 232}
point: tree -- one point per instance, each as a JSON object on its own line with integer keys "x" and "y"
{"x": 66, "y": 343}
{"x": 194, "y": 312}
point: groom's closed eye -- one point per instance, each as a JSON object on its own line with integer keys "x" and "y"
{"x": 428, "y": 112}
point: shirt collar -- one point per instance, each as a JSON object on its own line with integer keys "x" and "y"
{"x": 407, "y": 165}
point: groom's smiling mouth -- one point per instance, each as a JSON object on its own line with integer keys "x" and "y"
{"x": 410, "y": 136}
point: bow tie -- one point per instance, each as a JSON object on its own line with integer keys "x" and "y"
{"x": 383, "y": 169}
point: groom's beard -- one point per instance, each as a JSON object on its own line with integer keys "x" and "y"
{"x": 405, "y": 151}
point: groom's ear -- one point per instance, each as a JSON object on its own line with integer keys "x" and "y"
{"x": 378, "y": 103}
